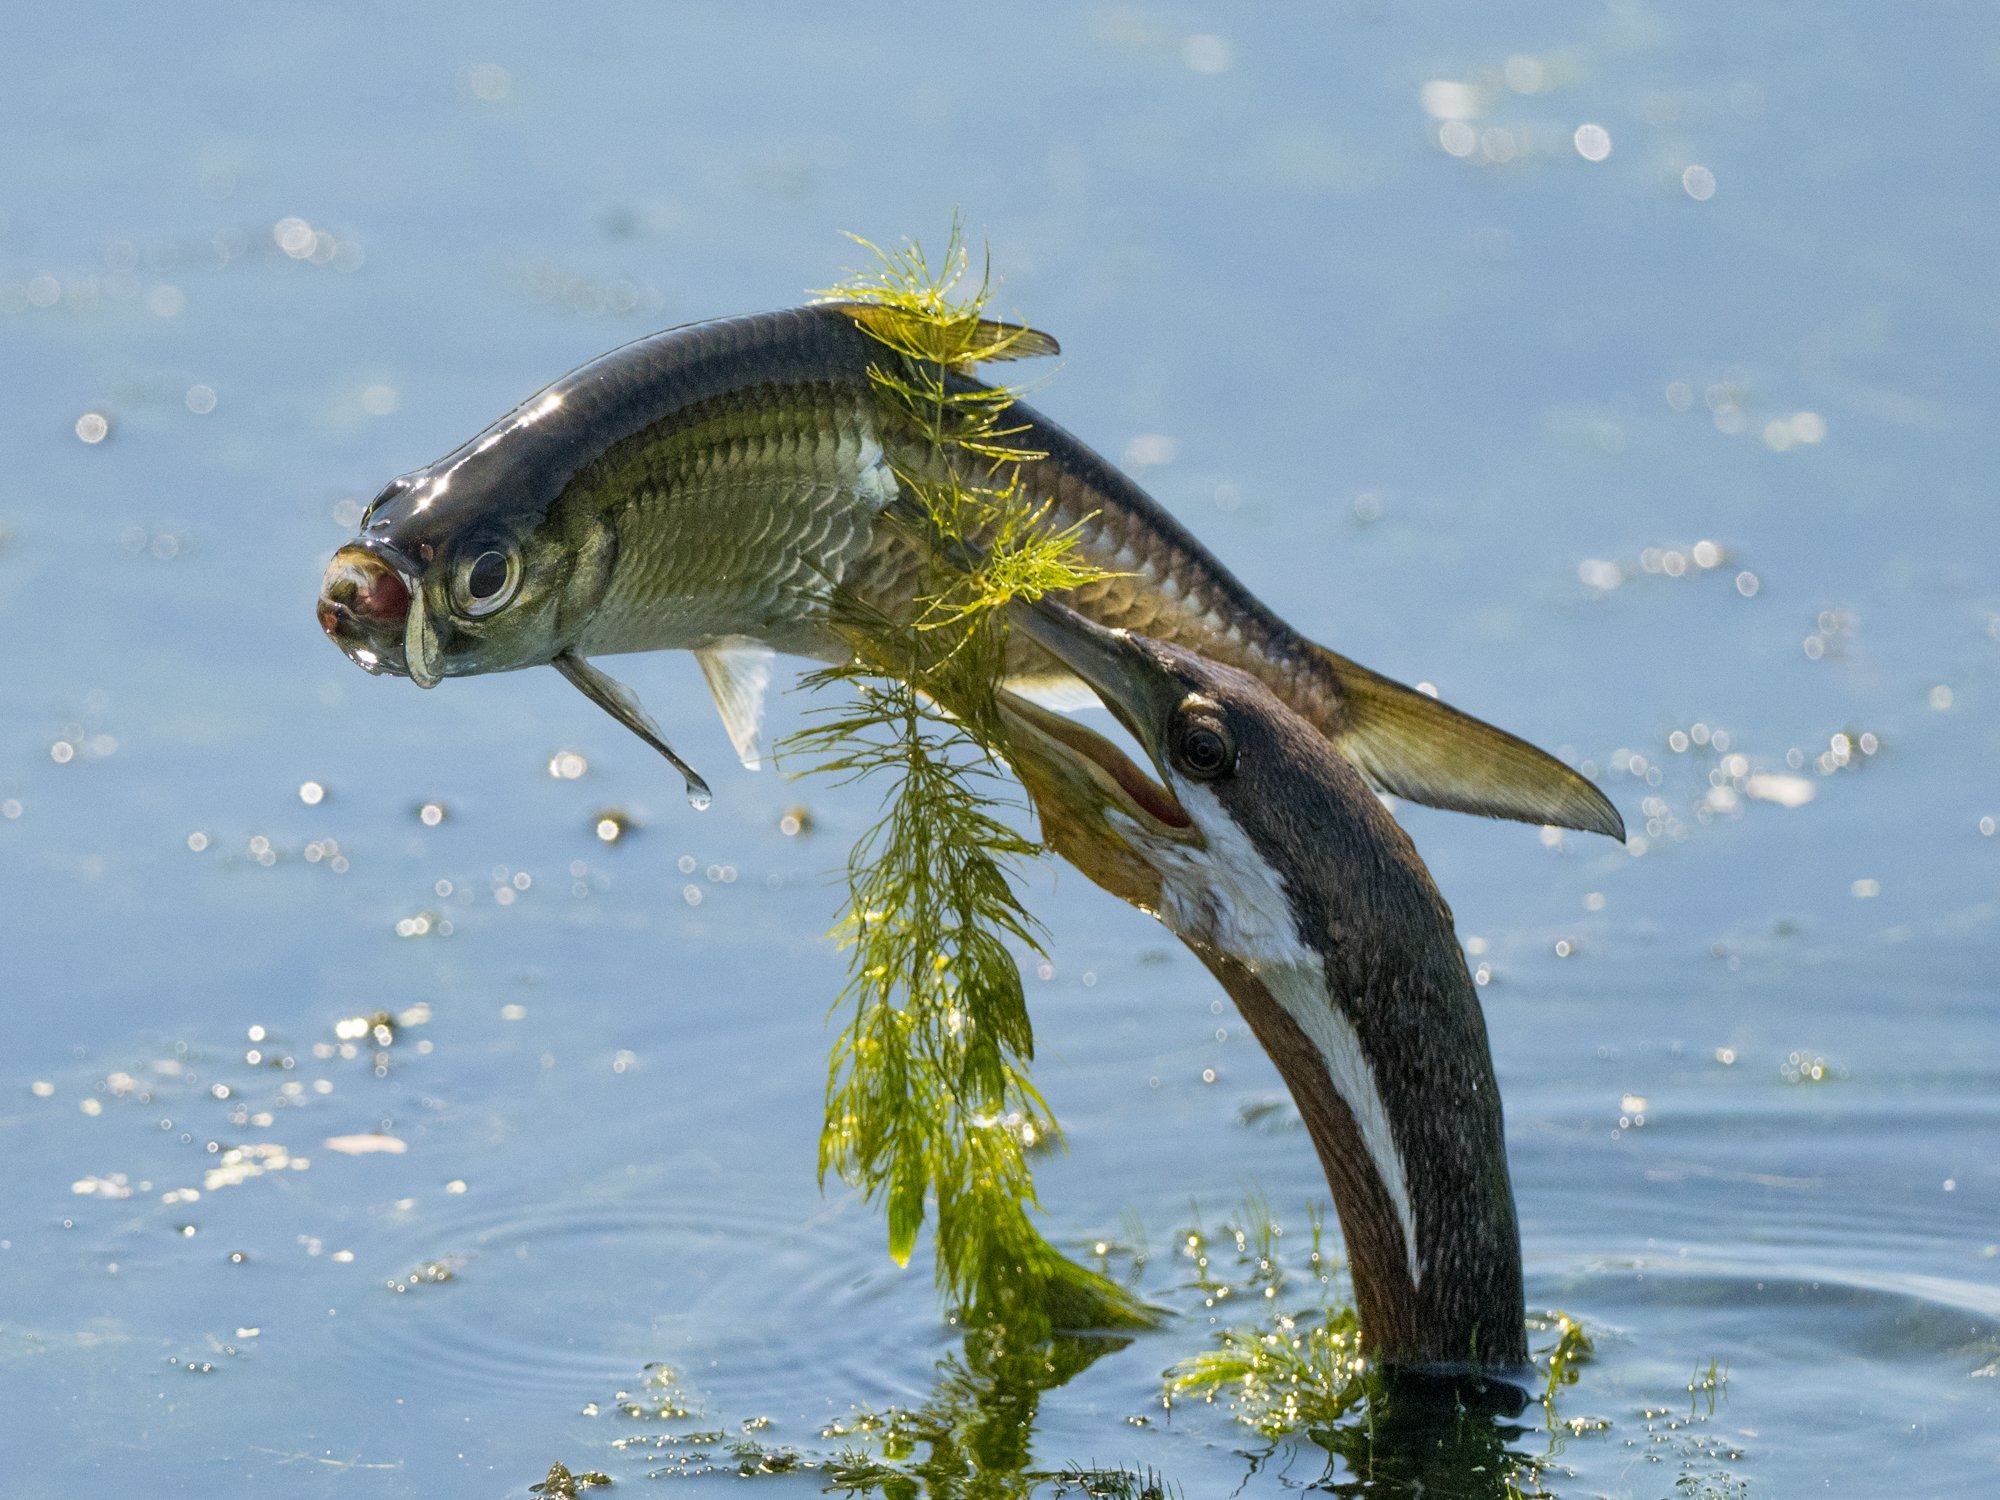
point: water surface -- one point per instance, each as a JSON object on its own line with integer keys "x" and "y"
{"x": 1673, "y": 459}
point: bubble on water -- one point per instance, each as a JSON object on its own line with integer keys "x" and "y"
{"x": 567, "y": 765}
{"x": 93, "y": 427}
{"x": 611, "y": 825}
{"x": 1941, "y": 697}
{"x": 1458, "y": 138}
{"x": 1593, "y": 143}
{"x": 294, "y": 236}
{"x": 430, "y": 814}
{"x": 1206, "y": 53}
{"x": 1865, "y": 890}
{"x": 1680, "y": 395}
{"x": 490, "y": 83}
{"x": 201, "y": 400}
{"x": 1525, "y": 74}
{"x": 1698, "y": 182}
{"x": 311, "y": 793}
{"x": 1448, "y": 99}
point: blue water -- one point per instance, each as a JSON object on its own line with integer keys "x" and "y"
{"x": 1345, "y": 288}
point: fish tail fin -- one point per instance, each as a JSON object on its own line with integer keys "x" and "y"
{"x": 1413, "y": 746}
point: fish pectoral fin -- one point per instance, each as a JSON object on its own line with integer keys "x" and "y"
{"x": 616, "y": 699}
{"x": 1414, "y": 746}
{"x": 1063, "y": 692}
{"x": 738, "y": 672}
{"x": 988, "y": 341}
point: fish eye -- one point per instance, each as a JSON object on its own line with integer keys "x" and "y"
{"x": 1202, "y": 747}
{"x": 483, "y": 582}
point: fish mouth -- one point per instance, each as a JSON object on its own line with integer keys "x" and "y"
{"x": 371, "y": 605}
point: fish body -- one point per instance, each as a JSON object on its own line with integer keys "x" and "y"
{"x": 711, "y": 487}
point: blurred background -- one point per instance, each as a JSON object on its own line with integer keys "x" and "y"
{"x": 1626, "y": 371}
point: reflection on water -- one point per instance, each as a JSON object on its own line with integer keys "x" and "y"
{"x": 1623, "y": 371}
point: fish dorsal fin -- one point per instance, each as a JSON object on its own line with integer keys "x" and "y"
{"x": 1410, "y": 744}
{"x": 985, "y": 341}
{"x": 738, "y": 671}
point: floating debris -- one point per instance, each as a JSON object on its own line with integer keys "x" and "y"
{"x": 563, "y": 1485}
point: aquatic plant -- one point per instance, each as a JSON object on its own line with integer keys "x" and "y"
{"x": 933, "y": 1057}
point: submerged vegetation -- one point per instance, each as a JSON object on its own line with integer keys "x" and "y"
{"x": 930, "y": 1106}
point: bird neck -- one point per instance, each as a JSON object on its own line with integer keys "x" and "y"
{"x": 1397, "y": 1091}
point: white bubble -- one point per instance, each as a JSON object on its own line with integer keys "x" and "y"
{"x": 1458, "y": 138}
{"x": 1698, "y": 183}
{"x": 1599, "y": 573}
{"x": 201, "y": 399}
{"x": 1446, "y": 99}
{"x": 491, "y": 83}
{"x": 93, "y": 427}
{"x": 294, "y": 236}
{"x": 1525, "y": 75}
{"x": 1593, "y": 143}
{"x": 1206, "y": 53}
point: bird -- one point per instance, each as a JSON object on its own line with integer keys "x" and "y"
{"x": 1270, "y": 857}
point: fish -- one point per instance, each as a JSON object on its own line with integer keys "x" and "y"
{"x": 717, "y": 487}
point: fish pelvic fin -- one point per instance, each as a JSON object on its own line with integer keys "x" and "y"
{"x": 616, "y": 699}
{"x": 986, "y": 341}
{"x": 1413, "y": 746}
{"x": 738, "y": 672}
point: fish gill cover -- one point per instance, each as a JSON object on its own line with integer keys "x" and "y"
{"x": 929, "y": 1099}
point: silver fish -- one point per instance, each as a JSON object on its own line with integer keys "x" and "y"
{"x": 711, "y": 488}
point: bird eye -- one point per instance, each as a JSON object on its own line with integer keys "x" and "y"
{"x": 1203, "y": 749}
{"x": 486, "y": 581}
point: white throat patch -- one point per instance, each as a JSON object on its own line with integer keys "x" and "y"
{"x": 1232, "y": 900}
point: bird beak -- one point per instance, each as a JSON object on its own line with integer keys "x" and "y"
{"x": 1110, "y": 662}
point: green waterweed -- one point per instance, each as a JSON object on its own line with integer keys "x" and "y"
{"x": 930, "y": 1106}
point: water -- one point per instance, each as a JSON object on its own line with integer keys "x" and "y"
{"x": 1430, "y": 405}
